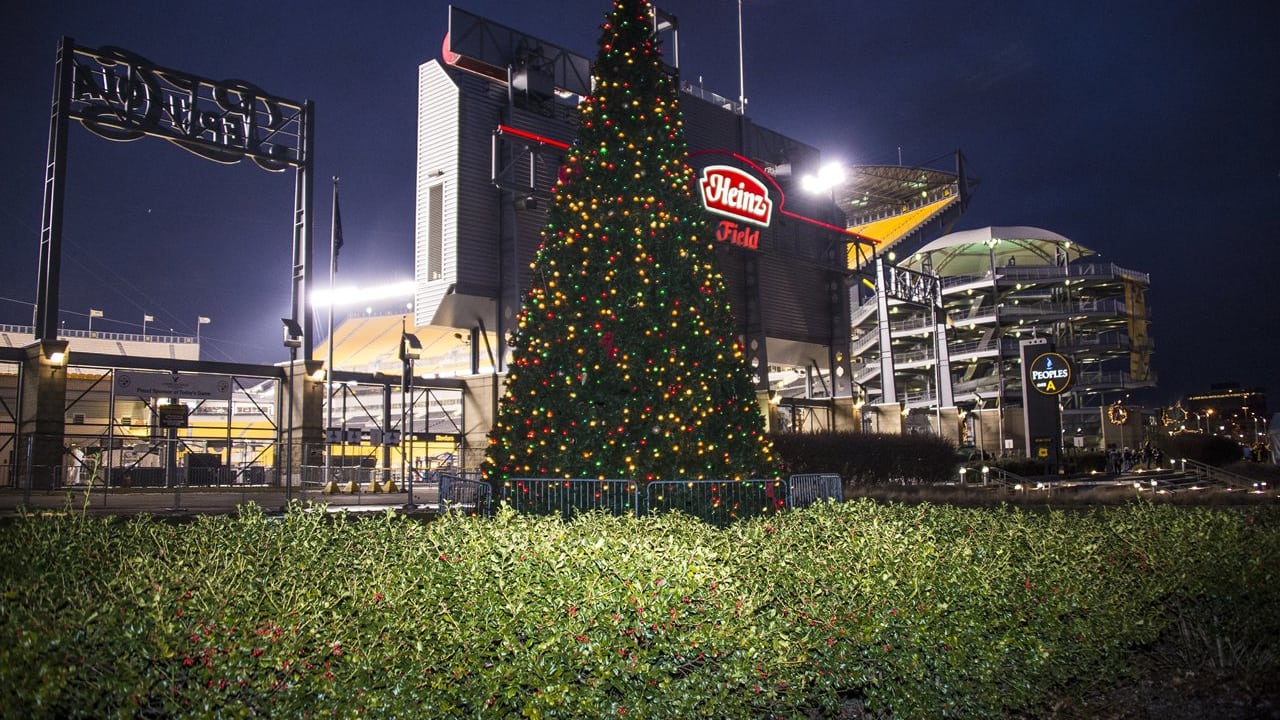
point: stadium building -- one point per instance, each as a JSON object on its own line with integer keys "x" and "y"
{"x": 496, "y": 117}
{"x": 858, "y": 306}
{"x": 954, "y": 348}
{"x": 858, "y": 309}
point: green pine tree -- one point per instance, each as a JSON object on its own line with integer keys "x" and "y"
{"x": 626, "y": 362}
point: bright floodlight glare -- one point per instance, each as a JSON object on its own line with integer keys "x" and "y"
{"x": 352, "y": 295}
{"x": 831, "y": 174}
{"x": 828, "y": 176}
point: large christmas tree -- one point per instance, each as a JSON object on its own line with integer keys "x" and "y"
{"x": 626, "y": 362}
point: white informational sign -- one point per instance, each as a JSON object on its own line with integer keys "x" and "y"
{"x": 172, "y": 385}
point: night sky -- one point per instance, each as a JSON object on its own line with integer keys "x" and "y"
{"x": 1148, "y": 131}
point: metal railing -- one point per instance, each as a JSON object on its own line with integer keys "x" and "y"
{"x": 1029, "y": 272}
{"x": 1216, "y": 475}
{"x": 715, "y": 501}
{"x": 718, "y": 502}
{"x": 549, "y": 496}
{"x": 64, "y": 333}
{"x": 220, "y": 489}
{"x": 994, "y": 477}
{"x": 137, "y": 490}
{"x": 808, "y": 489}
{"x": 458, "y": 493}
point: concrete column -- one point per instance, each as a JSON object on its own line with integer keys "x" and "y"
{"x": 950, "y": 430}
{"x": 44, "y": 398}
{"x": 479, "y": 412}
{"x": 847, "y": 418}
{"x": 769, "y": 411}
{"x": 888, "y": 418}
{"x": 307, "y": 420}
{"x": 986, "y": 430}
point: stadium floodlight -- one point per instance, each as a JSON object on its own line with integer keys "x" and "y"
{"x": 829, "y": 176}
{"x": 352, "y": 295}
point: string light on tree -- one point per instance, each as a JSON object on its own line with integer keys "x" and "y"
{"x": 626, "y": 361}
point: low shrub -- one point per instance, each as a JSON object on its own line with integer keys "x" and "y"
{"x": 921, "y": 611}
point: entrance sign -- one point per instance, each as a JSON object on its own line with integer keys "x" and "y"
{"x": 172, "y": 385}
{"x": 123, "y": 96}
{"x": 1045, "y": 374}
{"x": 1051, "y": 373}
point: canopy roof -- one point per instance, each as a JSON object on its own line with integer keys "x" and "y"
{"x": 870, "y": 192}
{"x": 971, "y": 252}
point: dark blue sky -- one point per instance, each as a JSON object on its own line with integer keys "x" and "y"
{"x": 1147, "y": 131}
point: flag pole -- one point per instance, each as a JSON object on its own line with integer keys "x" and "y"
{"x": 334, "y": 230}
{"x": 742, "y": 86}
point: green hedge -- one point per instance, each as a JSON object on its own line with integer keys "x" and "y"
{"x": 868, "y": 458}
{"x": 922, "y": 611}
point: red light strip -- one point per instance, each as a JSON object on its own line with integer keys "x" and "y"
{"x": 855, "y": 237}
{"x": 508, "y": 130}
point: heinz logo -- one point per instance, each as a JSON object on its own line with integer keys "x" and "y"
{"x": 733, "y": 193}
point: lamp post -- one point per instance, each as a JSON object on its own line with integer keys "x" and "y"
{"x": 293, "y": 341}
{"x": 146, "y": 318}
{"x": 93, "y": 314}
{"x": 410, "y": 350}
{"x": 200, "y": 320}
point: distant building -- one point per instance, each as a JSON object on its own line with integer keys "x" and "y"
{"x": 1230, "y": 410}
{"x": 152, "y": 345}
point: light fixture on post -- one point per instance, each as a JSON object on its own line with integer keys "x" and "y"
{"x": 410, "y": 350}
{"x": 56, "y": 355}
{"x": 293, "y": 341}
{"x": 146, "y": 318}
{"x": 93, "y": 314}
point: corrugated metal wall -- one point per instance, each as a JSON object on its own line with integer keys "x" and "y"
{"x": 438, "y": 100}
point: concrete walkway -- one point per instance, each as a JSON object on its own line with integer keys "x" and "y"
{"x": 198, "y": 501}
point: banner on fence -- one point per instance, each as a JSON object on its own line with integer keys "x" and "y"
{"x": 175, "y": 385}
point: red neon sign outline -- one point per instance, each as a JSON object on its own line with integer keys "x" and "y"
{"x": 508, "y": 130}
{"x": 782, "y": 201}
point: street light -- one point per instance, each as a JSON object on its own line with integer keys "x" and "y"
{"x": 293, "y": 341}
{"x": 410, "y": 350}
{"x": 93, "y": 314}
{"x": 146, "y": 319}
